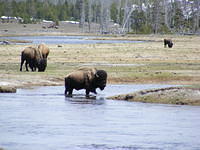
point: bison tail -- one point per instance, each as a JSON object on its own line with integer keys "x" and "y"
{"x": 22, "y": 61}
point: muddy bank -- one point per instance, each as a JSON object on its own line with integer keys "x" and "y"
{"x": 11, "y": 85}
{"x": 172, "y": 95}
{"x": 7, "y": 89}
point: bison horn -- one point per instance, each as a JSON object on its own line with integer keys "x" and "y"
{"x": 96, "y": 75}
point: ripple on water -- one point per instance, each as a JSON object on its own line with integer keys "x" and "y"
{"x": 43, "y": 118}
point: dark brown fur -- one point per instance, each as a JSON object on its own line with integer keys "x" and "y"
{"x": 85, "y": 78}
{"x": 168, "y": 42}
{"x": 33, "y": 58}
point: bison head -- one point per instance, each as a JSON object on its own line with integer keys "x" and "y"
{"x": 170, "y": 44}
{"x": 42, "y": 65}
{"x": 101, "y": 79}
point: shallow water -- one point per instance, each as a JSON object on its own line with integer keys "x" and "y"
{"x": 65, "y": 40}
{"x": 43, "y": 119}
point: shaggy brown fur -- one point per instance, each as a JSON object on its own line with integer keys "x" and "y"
{"x": 44, "y": 50}
{"x": 33, "y": 58}
{"x": 85, "y": 78}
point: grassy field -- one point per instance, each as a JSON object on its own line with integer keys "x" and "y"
{"x": 146, "y": 62}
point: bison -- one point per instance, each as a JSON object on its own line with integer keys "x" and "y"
{"x": 44, "y": 50}
{"x": 168, "y": 42}
{"x": 33, "y": 58}
{"x": 85, "y": 78}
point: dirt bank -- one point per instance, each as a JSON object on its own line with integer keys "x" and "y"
{"x": 173, "y": 95}
{"x": 7, "y": 89}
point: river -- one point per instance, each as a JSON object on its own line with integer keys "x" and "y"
{"x": 41, "y": 118}
{"x": 65, "y": 40}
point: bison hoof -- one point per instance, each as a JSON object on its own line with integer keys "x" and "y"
{"x": 68, "y": 95}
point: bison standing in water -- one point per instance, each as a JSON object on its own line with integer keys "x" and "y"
{"x": 168, "y": 42}
{"x": 33, "y": 58}
{"x": 85, "y": 78}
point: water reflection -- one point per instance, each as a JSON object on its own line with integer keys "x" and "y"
{"x": 81, "y": 99}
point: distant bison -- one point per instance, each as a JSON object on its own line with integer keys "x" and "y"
{"x": 85, "y": 78}
{"x": 33, "y": 58}
{"x": 168, "y": 42}
{"x": 44, "y": 50}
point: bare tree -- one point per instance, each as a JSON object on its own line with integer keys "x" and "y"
{"x": 89, "y": 14}
{"x": 82, "y": 15}
{"x": 119, "y": 11}
{"x": 151, "y": 15}
{"x": 156, "y": 16}
{"x": 196, "y": 15}
{"x": 104, "y": 16}
{"x": 125, "y": 14}
{"x": 165, "y": 5}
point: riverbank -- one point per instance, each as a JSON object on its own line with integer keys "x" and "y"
{"x": 138, "y": 63}
{"x": 172, "y": 95}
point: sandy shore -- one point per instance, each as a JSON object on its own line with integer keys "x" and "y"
{"x": 147, "y": 62}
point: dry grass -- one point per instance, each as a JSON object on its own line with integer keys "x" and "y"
{"x": 147, "y": 62}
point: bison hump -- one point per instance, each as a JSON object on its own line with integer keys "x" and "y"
{"x": 76, "y": 76}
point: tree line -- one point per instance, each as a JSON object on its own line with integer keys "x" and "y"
{"x": 135, "y": 16}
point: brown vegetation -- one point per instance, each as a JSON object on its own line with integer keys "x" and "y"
{"x": 147, "y": 62}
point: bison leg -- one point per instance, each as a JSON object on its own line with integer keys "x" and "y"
{"x": 26, "y": 64}
{"x": 34, "y": 68}
{"x": 68, "y": 92}
{"x": 22, "y": 62}
{"x": 94, "y": 91}
{"x": 87, "y": 92}
{"x": 32, "y": 65}
{"x": 68, "y": 88}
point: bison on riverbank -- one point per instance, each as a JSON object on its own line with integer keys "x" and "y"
{"x": 85, "y": 78}
{"x": 33, "y": 58}
{"x": 168, "y": 42}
